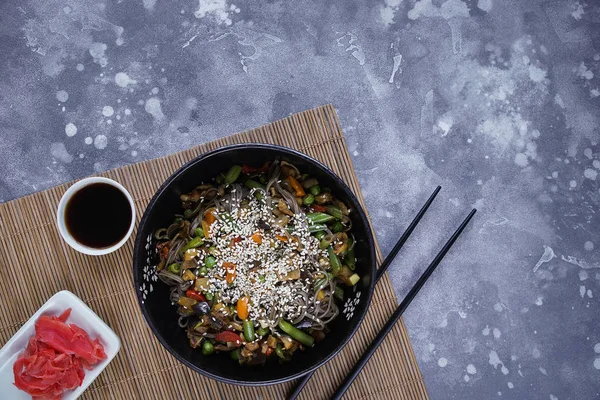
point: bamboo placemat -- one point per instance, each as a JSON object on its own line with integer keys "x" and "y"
{"x": 35, "y": 263}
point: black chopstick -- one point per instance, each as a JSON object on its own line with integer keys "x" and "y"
{"x": 380, "y": 272}
{"x": 399, "y": 311}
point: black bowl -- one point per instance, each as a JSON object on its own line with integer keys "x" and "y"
{"x": 153, "y": 295}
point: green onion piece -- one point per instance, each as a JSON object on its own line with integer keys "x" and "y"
{"x": 232, "y": 175}
{"x": 207, "y": 348}
{"x": 248, "y": 330}
{"x": 262, "y": 331}
{"x": 252, "y": 184}
{"x": 195, "y": 242}
{"x": 334, "y": 260}
{"x": 325, "y": 242}
{"x": 235, "y": 354}
{"x": 315, "y": 190}
{"x": 261, "y": 278}
{"x": 212, "y": 249}
{"x": 174, "y": 268}
{"x": 319, "y": 218}
{"x": 308, "y": 199}
{"x": 199, "y": 232}
{"x": 296, "y": 333}
{"x": 203, "y": 271}
{"x": 208, "y": 296}
{"x": 338, "y": 293}
{"x": 210, "y": 262}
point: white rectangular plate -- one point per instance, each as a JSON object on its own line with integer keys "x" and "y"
{"x": 82, "y": 316}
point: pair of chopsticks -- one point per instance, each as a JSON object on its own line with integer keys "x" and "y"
{"x": 403, "y": 305}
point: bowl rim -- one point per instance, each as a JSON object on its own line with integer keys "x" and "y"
{"x": 139, "y": 245}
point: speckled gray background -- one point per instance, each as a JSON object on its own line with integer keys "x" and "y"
{"x": 496, "y": 100}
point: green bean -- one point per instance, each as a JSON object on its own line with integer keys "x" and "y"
{"x": 174, "y": 268}
{"x": 207, "y": 348}
{"x": 336, "y": 212}
{"x": 316, "y": 228}
{"x": 232, "y": 175}
{"x": 235, "y": 354}
{"x": 315, "y": 190}
{"x": 338, "y": 293}
{"x": 262, "y": 331}
{"x": 296, "y": 333}
{"x": 203, "y": 271}
{"x": 337, "y": 227}
{"x": 252, "y": 184}
{"x": 350, "y": 258}
{"x": 210, "y": 262}
{"x": 308, "y": 199}
{"x": 199, "y": 232}
{"x": 248, "y": 330}
{"x": 195, "y": 242}
{"x": 319, "y": 235}
{"x": 334, "y": 260}
{"x": 319, "y": 218}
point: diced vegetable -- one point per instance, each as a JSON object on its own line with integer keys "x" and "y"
{"x": 186, "y": 302}
{"x": 252, "y": 184}
{"x": 248, "y": 330}
{"x": 230, "y": 269}
{"x": 203, "y": 271}
{"x": 242, "y": 307}
{"x": 310, "y": 182}
{"x": 199, "y": 232}
{"x": 296, "y": 186}
{"x": 315, "y": 190}
{"x": 318, "y": 208}
{"x": 256, "y": 237}
{"x": 192, "y": 294}
{"x": 324, "y": 198}
{"x": 188, "y": 275}
{"x": 308, "y": 199}
{"x": 201, "y": 285}
{"x": 235, "y": 354}
{"x": 229, "y": 337}
{"x": 195, "y": 242}
{"x": 174, "y": 268}
{"x": 210, "y": 262}
{"x": 336, "y": 212}
{"x": 207, "y": 348}
{"x": 296, "y": 333}
{"x": 232, "y": 175}
{"x": 263, "y": 331}
{"x": 337, "y": 227}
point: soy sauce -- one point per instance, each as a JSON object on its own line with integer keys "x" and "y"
{"x": 98, "y": 215}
